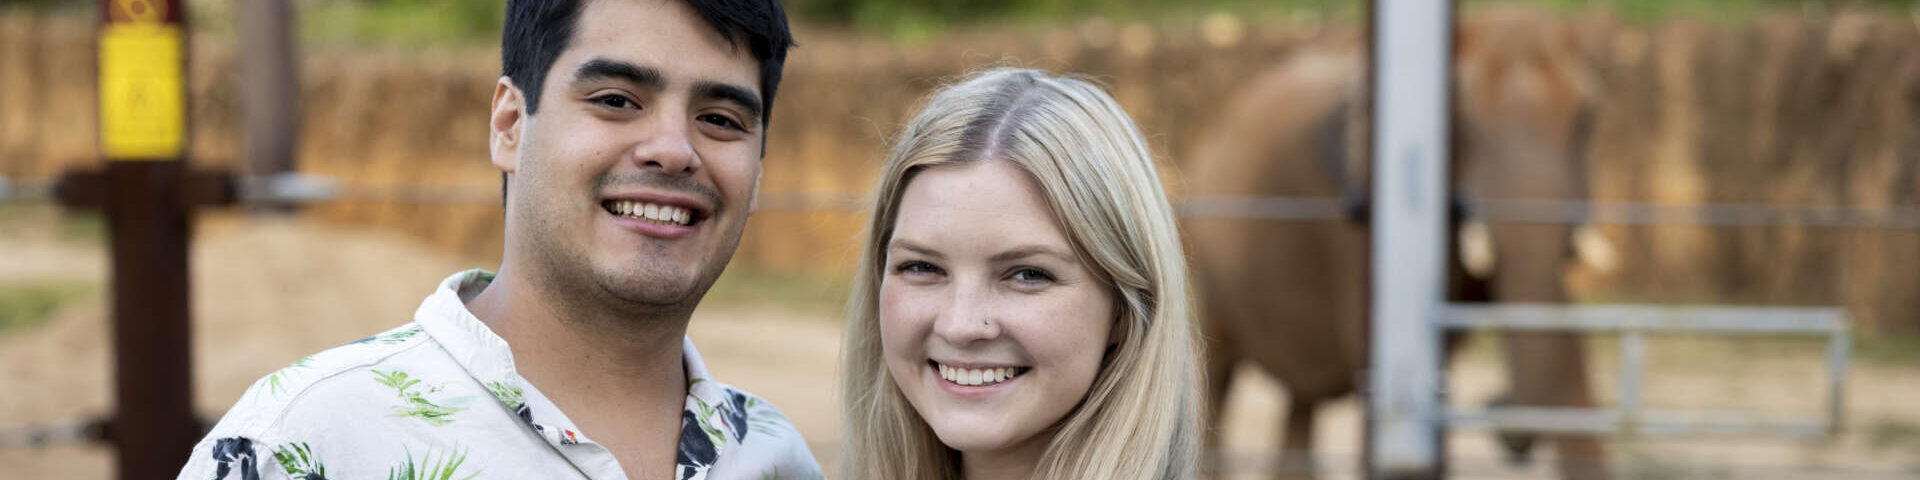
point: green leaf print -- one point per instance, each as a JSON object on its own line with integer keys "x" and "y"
{"x": 400, "y": 336}
{"x": 765, "y": 420}
{"x": 415, "y": 403}
{"x": 704, "y": 415}
{"x": 299, "y": 461}
{"x": 276, "y": 381}
{"x": 428, "y": 468}
{"x": 774, "y": 474}
{"x": 507, "y": 394}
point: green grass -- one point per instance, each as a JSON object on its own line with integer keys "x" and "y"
{"x": 25, "y": 306}
{"x": 19, "y": 220}
{"x": 1888, "y": 350}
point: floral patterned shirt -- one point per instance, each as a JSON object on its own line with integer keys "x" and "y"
{"x": 439, "y": 398}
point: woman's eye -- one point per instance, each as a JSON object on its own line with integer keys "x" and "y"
{"x": 615, "y": 101}
{"x": 1032, "y": 276}
{"x": 722, "y": 121}
{"x": 915, "y": 267}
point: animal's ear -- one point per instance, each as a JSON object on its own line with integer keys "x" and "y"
{"x": 1587, "y": 81}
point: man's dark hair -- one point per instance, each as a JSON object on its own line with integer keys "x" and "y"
{"x": 538, "y": 30}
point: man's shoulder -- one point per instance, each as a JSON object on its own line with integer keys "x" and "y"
{"x": 324, "y": 378}
{"x": 752, "y": 435}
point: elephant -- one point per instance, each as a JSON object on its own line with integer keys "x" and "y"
{"x": 1289, "y": 296}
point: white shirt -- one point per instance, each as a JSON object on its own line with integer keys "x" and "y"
{"x": 439, "y": 398}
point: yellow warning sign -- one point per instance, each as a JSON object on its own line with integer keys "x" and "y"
{"x": 142, "y": 100}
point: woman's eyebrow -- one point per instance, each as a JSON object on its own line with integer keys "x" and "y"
{"x": 909, "y": 245}
{"x": 1025, "y": 251}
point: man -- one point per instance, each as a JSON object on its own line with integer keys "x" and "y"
{"x": 630, "y": 133}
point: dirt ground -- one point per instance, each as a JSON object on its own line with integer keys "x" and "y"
{"x": 267, "y": 292}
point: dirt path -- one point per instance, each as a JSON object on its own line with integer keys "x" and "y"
{"x": 269, "y": 292}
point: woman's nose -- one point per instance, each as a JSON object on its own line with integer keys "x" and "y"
{"x": 970, "y": 316}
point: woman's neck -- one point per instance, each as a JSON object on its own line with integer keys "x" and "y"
{"x": 1015, "y": 463}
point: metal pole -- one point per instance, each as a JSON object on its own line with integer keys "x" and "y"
{"x": 1412, "y": 42}
{"x": 270, "y": 90}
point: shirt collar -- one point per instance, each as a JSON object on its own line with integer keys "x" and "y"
{"x": 486, "y": 356}
{"x": 475, "y": 347}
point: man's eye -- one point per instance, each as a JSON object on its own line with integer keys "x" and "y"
{"x": 722, "y": 121}
{"x": 615, "y": 101}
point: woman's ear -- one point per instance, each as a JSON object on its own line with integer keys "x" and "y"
{"x": 504, "y": 125}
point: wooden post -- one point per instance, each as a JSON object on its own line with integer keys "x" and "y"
{"x": 1411, "y": 49}
{"x": 147, "y": 194}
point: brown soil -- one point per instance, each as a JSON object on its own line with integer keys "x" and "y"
{"x": 267, "y": 292}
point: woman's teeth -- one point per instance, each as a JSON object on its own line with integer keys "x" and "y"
{"x": 656, "y": 213}
{"x": 979, "y": 376}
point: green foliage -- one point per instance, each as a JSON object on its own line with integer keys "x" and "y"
{"x": 414, "y": 403}
{"x": 360, "y": 23}
{"x": 507, "y": 394}
{"x": 704, "y": 411}
{"x": 1652, "y": 10}
{"x": 276, "y": 381}
{"x": 30, "y": 305}
{"x": 427, "y": 467}
{"x": 299, "y": 461}
{"x": 400, "y": 336}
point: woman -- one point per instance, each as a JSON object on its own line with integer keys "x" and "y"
{"x": 1021, "y": 308}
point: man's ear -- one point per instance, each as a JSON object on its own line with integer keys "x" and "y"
{"x": 504, "y": 125}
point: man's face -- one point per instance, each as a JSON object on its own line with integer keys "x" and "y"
{"x": 633, "y": 181}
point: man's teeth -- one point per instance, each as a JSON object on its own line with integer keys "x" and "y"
{"x": 977, "y": 376}
{"x": 664, "y": 214}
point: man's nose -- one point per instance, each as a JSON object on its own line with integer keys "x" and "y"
{"x": 668, "y": 148}
{"x": 970, "y": 316}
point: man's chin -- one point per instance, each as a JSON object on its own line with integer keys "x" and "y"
{"x": 656, "y": 292}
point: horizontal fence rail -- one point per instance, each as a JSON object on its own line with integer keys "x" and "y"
{"x": 1633, "y": 322}
{"x": 308, "y": 189}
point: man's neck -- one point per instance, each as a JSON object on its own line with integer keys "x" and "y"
{"x": 583, "y": 355}
{"x": 621, "y": 378}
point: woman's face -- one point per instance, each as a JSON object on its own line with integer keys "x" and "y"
{"x": 990, "y": 324}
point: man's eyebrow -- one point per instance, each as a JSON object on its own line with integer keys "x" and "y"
{"x": 742, "y": 96}
{"x": 600, "y": 69}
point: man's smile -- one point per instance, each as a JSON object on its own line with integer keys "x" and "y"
{"x": 652, "y": 212}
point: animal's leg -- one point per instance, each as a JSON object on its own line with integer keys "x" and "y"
{"x": 1296, "y": 448}
{"x": 1549, "y": 369}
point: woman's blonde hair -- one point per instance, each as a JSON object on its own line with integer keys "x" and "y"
{"x": 1141, "y": 418}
